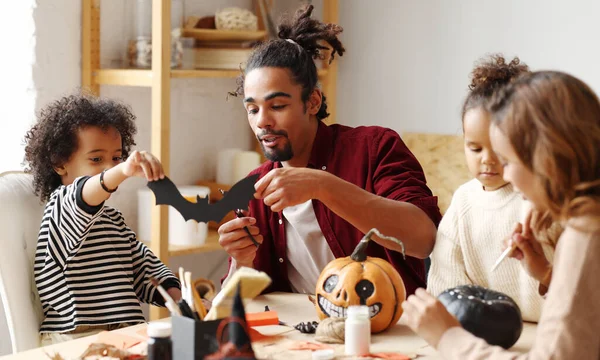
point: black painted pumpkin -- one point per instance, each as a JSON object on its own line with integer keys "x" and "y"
{"x": 487, "y": 314}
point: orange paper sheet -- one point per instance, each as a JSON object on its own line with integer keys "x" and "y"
{"x": 120, "y": 341}
{"x": 262, "y": 318}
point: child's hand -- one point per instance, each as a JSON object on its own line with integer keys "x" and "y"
{"x": 143, "y": 164}
{"x": 175, "y": 293}
{"x": 428, "y": 317}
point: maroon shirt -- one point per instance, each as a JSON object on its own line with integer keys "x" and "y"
{"x": 374, "y": 159}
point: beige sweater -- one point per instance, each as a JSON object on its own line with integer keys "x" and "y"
{"x": 470, "y": 240}
{"x": 569, "y": 328}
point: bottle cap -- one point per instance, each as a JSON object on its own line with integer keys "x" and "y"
{"x": 159, "y": 329}
{"x": 358, "y": 311}
{"x": 325, "y": 354}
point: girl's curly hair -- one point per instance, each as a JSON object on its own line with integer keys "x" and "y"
{"x": 489, "y": 75}
{"x": 53, "y": 139}
{"x": 306, "y": 42}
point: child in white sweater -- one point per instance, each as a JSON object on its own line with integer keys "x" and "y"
{"x": 485, "y": 210}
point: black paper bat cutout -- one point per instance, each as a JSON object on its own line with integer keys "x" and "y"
{"x": 241, "y": 193}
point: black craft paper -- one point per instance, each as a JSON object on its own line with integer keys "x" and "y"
{"x": 241, "y": 193}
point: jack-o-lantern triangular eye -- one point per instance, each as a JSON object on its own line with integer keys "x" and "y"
{"x": 330, "y": 283}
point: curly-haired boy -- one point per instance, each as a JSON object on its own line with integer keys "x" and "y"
{"x": 90, "y": 270}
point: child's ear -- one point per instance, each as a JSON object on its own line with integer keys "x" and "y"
{"x": 314, "y": 102}
{"x": 61, "y": 170}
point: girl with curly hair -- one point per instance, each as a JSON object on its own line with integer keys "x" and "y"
{"x": 90, "y": 270}
{"x": 485, "y": 210}
{"x": 545, "y": 130}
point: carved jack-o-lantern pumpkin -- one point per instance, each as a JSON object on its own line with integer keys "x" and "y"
{"x": 362, "y": 280}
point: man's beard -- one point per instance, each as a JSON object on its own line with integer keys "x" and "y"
{"x": 274, "y": 154}
{"x": 278, "y": 155}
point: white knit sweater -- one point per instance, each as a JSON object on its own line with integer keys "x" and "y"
{"x": 470, "y": 239}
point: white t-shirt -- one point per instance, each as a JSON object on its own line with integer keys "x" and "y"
{"x": 307, "y": 249}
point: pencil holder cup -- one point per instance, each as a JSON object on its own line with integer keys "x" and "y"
{"x": 193, "y": 340}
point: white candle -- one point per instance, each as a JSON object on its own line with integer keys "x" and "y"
{"x": 243, "y": 163}
{"x": 226, "y": 166}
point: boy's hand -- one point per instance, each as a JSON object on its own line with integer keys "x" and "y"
{"x": 175, "y": 293}
{"x": 143, "y": 164}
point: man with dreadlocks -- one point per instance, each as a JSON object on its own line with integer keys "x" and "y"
{"x": 323, "y": 186}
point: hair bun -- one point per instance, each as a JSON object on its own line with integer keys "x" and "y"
{"x": 493, "y": 72}
{"x": 306, "y": 32}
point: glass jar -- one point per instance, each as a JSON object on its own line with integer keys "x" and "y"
{"x": 139, "y": 47}
{"x": 160, "y": 346}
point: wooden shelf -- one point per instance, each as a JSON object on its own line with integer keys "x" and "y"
{"x": 123, "y": 77}
{"x": 224, "y": 35}
{"x": 158, "y": 80}
{"x": 211, "y": 244}
{"x": 204, "y": 73}
{"x": 140, "y": 77}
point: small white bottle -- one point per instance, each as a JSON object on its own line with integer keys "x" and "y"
{"x": 358, "y": 331}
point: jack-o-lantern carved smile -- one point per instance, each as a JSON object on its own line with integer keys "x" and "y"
{"x": 361, "y": 280}
{"x": 364, "y": 290}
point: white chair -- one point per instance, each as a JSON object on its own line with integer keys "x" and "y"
{"x": 20, "y": 216}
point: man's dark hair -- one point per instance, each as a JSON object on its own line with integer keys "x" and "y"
{"x": 306, "y": 37}
{"x": 53, "y": 139}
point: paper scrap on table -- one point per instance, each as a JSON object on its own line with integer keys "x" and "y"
{"x": 391, "y": 356}
{"x": 117, "y": 340}
{"x": 307, "y": 345}
{"x": 143, "y": 333}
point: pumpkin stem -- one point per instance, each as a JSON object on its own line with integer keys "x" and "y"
{"x": 359, "y": 253}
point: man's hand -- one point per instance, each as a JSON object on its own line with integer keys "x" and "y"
{"x": 285, "y": 187}
{"x": 236, "y": 242}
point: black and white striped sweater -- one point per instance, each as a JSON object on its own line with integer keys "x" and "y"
{"x": 89, "y": 268}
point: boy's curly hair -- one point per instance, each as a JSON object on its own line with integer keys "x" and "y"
{"x": 53, "y": 139}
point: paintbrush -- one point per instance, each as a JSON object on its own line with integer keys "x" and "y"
{"x": 504, "y": 255}
{"x": 240, "y": 214}
{"x": 169, "y": 302}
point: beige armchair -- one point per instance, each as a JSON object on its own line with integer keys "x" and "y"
{"x": 20, "y": 217}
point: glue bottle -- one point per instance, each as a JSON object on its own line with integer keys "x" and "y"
{"x": 159, "y": 344}
{"x": 357, "y": 331}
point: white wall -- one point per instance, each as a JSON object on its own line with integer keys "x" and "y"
{"x": 408, "y": 61}
{"x": 16, "y": 88}
{"x": 36, "y": 69}
{"x": 43, "y": 63}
